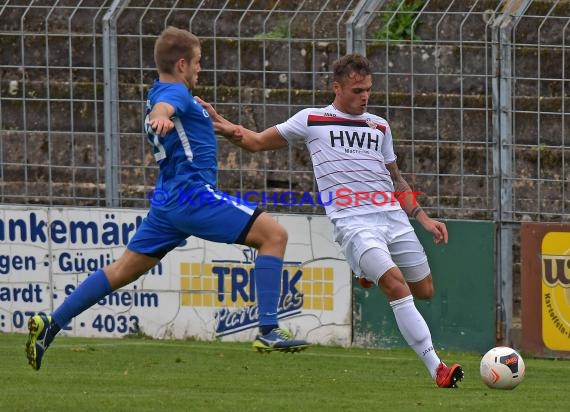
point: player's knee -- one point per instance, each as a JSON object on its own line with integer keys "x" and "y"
{"x": 274, "y": 237}
{"x": 394, "y": 291}
{"x": 393, "y": 285}
{"x": 279, "y": 236}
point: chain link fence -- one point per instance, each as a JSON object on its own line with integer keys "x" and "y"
{"x": 74, "y": 76}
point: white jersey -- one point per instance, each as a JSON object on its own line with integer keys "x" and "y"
{"x": 349, "y": 155}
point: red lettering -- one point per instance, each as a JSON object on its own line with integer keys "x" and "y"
{"x": 358, "y": 196}
{"x": 343, "y": 193}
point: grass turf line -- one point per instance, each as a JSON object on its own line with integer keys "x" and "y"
{"x": 150, "y": 375}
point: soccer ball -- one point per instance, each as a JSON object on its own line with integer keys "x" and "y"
{"x": 502, "y": 368}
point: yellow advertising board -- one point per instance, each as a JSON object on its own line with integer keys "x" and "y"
{"x": 556, "y": 291}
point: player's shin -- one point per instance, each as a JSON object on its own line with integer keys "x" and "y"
{"x": 415, "y": 331}
{"x": 89, "y": 292}
{"x": 267, "y": 290}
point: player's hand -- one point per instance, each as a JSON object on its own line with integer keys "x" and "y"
{"x": 161, "y": 125}
{"x": 209, "y": 108}
{"x": 221, "y": 125}
{"x": 217, "y": 119}
{"x": 440, "y": 233}
{"x": 237, "y": 134}
{"x": 436, "y": 227}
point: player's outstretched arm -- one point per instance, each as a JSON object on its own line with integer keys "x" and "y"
{"x": 409, "y": 202}
{"x": 160, "y": 118}
{"x": 247, "y": 139}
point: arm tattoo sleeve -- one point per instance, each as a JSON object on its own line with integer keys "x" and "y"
{"x": 400, "y": 184}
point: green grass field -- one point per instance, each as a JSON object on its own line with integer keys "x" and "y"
{"x": 80, "y": 374}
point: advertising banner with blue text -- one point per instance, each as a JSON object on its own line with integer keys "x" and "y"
{"x": 201, "y": 289}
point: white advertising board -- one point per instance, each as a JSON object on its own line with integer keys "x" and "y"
{"x": 201, "y": 289}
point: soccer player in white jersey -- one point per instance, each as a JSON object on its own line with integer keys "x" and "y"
{"x": 353, "y": 157}
{"x": 185, "y": 148}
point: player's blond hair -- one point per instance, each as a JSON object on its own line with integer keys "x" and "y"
{"x": 172, "y": 45}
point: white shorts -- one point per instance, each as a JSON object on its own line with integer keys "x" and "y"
{"x": 391, "y": 233}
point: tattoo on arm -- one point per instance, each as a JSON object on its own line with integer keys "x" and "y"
{"x": 415, "y": 211}
{"x": 400, "y": 184}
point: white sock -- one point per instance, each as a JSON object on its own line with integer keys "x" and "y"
{"x": 415, "y": 331}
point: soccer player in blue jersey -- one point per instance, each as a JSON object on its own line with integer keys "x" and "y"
{"x": 352, "y": 153}
{"x": 182, "y": 135}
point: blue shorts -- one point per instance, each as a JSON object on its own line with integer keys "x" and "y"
{"x": 204, "y": 212}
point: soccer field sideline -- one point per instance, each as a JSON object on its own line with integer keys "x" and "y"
{"x": 229, "y": 346}
{"x": 127, "y": 374}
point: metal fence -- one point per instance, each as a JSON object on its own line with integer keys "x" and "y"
{"x": 475, "y": 92}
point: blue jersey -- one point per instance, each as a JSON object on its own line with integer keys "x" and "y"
{"x": 187, "y": 154}
{"x": 188, "y": 167}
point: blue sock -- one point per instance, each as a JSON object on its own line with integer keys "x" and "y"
{"x": 267, "y": 289}
{"x": 89, "y": 292}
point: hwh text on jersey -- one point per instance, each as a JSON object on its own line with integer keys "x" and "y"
{"x": 355, "y": 139}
